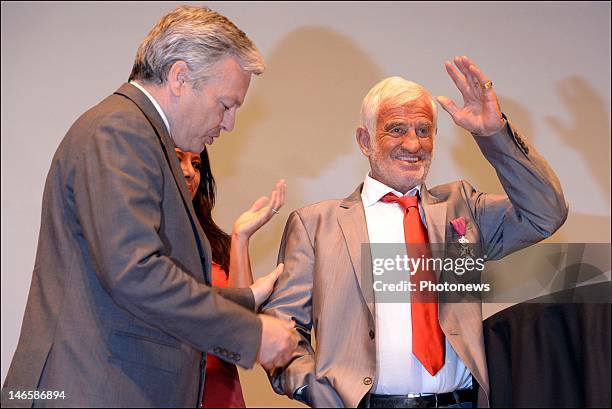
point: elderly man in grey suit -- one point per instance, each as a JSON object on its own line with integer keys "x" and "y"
{"x": 120, "y": 308}
{"x": 372, "y": 353}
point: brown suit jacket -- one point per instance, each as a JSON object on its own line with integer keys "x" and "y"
{"x": 324, "y": 286}
{"x": 120, "y": 305}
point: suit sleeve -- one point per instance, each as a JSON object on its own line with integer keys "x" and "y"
{"x": 241, "y": 296}
{"x": 292, "y": 299}
{"x": 534, "y": 207}
{"x": 118, "y": 192}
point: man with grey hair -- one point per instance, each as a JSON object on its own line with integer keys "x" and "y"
{"x": 417, "y": 352}
{"x": 120, "y": 309}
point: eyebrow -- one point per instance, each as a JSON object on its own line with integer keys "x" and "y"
{"x": 393, "y": 124}
{"x": 234, "y": 102}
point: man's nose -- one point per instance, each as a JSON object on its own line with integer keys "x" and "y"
{"x": 411, "y": 142}
{"x": 229, "y": 119}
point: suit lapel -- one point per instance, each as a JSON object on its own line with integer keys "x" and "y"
{"x": 354, "y": 228}
{"x": 148, "y": 109}
{"x": 435, "y": 215}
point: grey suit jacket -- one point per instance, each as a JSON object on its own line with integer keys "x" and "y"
{"x": 323, "y": 285}
{"x": 120, "y": 305}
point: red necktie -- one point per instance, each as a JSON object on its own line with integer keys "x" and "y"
{"x": 427, "y": 336}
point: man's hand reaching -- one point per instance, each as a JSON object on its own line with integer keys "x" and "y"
{"x": 278, "y": 341}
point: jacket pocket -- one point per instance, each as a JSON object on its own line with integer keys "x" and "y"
{"x": 146, "y": 351}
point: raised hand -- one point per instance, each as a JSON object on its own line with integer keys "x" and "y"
{"x": 240, "y": 274}
{"x": 260, "y": 213}
{"x": 480, "y": 114}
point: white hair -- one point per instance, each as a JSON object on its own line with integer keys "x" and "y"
{"x": 394, "y": 90}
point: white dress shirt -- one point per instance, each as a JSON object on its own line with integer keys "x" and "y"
{"x": 398, "y": 371}
{"x": 154, "y": 102}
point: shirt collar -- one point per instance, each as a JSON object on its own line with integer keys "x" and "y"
{"x": 373, "y": 191}
{"x": 154, "y": 102}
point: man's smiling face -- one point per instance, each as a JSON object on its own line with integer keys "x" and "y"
{"x": 400, "y": 152}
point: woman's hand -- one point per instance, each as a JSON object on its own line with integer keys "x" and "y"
{"x": 249, "y": 222}
{"x": 262, "y": 287}
{"x": 260, "y": 213}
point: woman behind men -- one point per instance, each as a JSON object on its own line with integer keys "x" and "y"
{"x": 231, "y": 265}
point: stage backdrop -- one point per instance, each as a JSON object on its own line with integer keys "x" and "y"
{"x": 550, "y": 63}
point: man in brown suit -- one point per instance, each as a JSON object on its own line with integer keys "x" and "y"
{"x": 120, "y": 309}
{"x": 364, "y": 353}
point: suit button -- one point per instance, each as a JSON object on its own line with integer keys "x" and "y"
{"x": 371, "y": 334}
{"x": 217, "y": 350}
{"x": 237, "y": 356}
{"x": 367, "y": 381}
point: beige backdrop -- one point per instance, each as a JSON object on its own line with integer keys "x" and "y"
{"x": 550, "y": 63}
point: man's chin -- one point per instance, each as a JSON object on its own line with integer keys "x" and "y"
{"x": 410, "y": 180}
{"x": 401, "y": 183}
{"x": 208, "y": 140}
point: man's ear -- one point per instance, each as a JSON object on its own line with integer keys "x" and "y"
{"x": 363, "y": 139}
{"x": 177, "y": 76}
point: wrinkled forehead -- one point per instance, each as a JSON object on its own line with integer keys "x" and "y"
{"x": 409, "y": 111}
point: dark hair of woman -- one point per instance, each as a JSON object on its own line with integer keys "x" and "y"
{"x": 203, "y": 203}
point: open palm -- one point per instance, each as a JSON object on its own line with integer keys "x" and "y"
{"x": 480, "y": 114}
{"x": 260, "y": 212}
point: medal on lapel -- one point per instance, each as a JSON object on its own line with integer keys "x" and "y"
{"x": 460, "y": 227}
